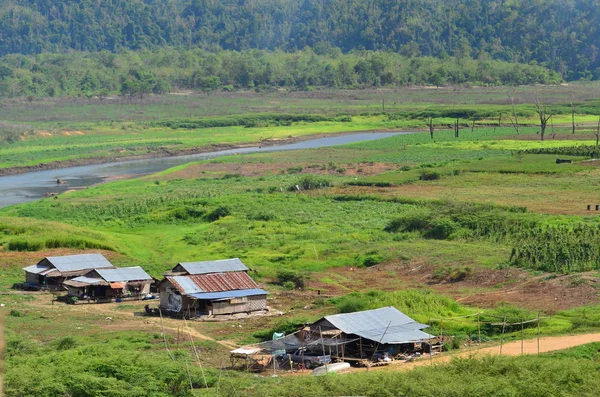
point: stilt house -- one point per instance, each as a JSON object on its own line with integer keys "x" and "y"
{"x": 216, "y": 287}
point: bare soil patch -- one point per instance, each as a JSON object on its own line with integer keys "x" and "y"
{"x": 485, "y": 288}
{"x": 216, "y": 170}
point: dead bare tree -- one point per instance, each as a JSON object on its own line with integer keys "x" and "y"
{"x": 456, "y": 129}
{"x": 431, "y": 127}
{"x": 514, "y": 120}
{"x": 544, "y": 117}
{"x": 597, "y": 133}
{"x": 573, "y": 117}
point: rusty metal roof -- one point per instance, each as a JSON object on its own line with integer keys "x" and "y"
{"x": 214, "y": 282}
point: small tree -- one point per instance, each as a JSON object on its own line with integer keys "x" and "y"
{"x": 544, "y": 117}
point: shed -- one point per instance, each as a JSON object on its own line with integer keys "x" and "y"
{"x": 385, "y": 329}
{"x": 210, "y": 288}
{"x": 108, "y": 284}
{"x": 52, "y": 271}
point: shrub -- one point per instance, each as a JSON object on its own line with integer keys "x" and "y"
{"x": 286, "y": 276}
{"x": 218, "y": 213}
{"x": 310, "y": 182}
{"x": 429, "y": 175}
{"x": 186, "y": 212}
{"x": 440, "y": 228}
{"x": 68, "y": 342}
{"x": 16, "y": 313}
{"x": 294, "y": 170}
{"x": 372, "y": 260}
{"x": 261, "y": 216}
{"x": 24, "y": 245}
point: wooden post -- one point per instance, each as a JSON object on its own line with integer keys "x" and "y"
{"x": 502, "y": 337}
{"x": 538, "y": 333}
{"x": 479, "y": 329}
{"x": 441, "y": 336}
{"x": 360, "y": 349}
{"x": 430, "y": 345}
{"x": 521, "y": 336}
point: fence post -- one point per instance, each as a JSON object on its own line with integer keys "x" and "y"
{"x": 521, "y": 336}
{"x": 502, "y": 337}
{"x": 538, "y": 333}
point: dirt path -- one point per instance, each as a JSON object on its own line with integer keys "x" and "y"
{"x": 547, "y": 344}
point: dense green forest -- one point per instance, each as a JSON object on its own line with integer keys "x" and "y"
{"x": 136, "y": 73}
{"x": 560, "y": 34}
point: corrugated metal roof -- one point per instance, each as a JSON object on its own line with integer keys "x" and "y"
{"x": 83, "y": 281}
{"x": 217, "y": 282}
{"x": 385, "y": 325}
{"x": 214, "y": 282}
{"x": 229, "y": 294}
{"x": 123, "y": 274}
{"x": 218, "y": 266}
{"x": 184, "y": 284}
{"x": 79, "y": 262}
{"x": 39, "y": 269}
{"x": 88, "y": 280}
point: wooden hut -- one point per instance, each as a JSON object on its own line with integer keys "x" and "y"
{"x": 106, "y": 285}
{"x": 219, "y": 287}
{"x": 52, "y": 271}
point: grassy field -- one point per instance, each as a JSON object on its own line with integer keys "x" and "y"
{"x": 67, "y": 131}
{"x": 484, "y": 223}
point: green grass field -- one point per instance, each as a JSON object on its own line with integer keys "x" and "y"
{"x": 458, "y": 208}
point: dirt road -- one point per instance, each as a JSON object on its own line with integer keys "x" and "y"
{"x": 547, "y": 344}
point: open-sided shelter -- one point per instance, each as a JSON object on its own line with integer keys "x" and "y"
{"x": 52, "y": 271}
{"x": 218, "y": 287}
{"x": 367, "y": 332}
{"x": 108, "y": 284}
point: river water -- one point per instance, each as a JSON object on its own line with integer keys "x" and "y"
{"x": 30, "y": 186}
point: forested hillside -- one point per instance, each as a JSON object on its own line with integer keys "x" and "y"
{"x": 560, "y": 34}
{"x": 136, "y": 73}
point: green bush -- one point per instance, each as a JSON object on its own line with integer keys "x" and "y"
{"x": 286, "y": 276}
{"x": 310, "y": 182}
{"x": 218, "y": 213}
{"x": 429, "y": 175}
{"x": 24, "y": 245}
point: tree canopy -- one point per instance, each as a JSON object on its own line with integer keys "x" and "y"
{"x": 560, "y": 34}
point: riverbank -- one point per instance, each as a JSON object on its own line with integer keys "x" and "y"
{"x": 163, "y": 152}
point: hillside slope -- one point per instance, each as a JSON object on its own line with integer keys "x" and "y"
{"x": 560, "y": 34}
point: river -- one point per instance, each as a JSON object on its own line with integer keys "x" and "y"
{"x": 30, "y": 186}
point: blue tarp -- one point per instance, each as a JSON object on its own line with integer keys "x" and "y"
{"x": 228, "y": 294}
